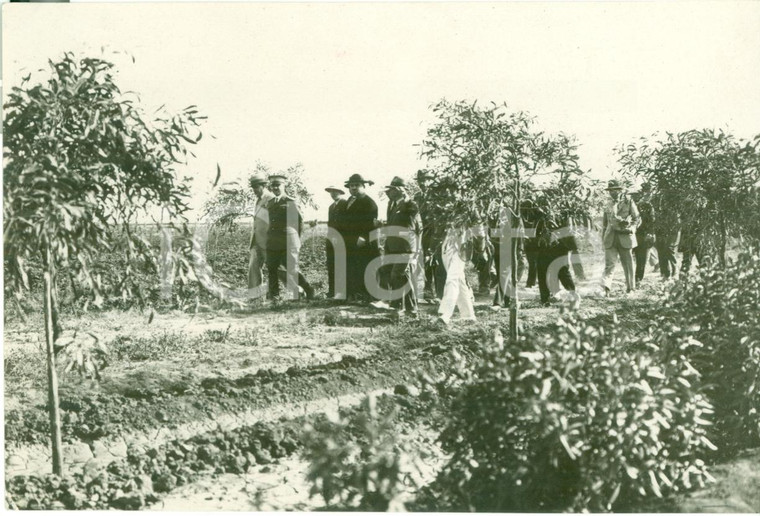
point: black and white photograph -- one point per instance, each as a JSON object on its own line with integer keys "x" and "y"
{"x": 381, "y": 256}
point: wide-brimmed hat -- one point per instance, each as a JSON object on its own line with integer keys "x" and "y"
{"x": 357, "y": 178}
{"x": 277, "y": 179}
{"x": 257, "y": 179}
{"x": 614, "y": 184}
{"x": 423, "y": 175}
{"x": 397, "y": 182}
{"x": 335, "y": 189}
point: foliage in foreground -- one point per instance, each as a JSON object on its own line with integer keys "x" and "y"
{"x": 720, "y": 308}
{"x": 582, "y": 419}
{"x": 355, "y": 463}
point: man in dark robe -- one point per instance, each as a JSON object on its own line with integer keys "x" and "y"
{"x": 335, "y": 216}
{"x": 360, "y": 218}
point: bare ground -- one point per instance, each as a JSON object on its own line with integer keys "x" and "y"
{"x": 308, "y": 352}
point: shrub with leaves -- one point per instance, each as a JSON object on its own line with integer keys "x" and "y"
{"x": 84, "y": 353}
{"x": 479, "y": 157}
{"x": 720, "y": 307}
{"x": 80, "y": 158}
{"x": 580, "y": 419}
{"x": 355, "y": 463}
{"x": 705, "y": 181}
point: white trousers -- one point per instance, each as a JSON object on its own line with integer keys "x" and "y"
{"x": 456, "y": 292}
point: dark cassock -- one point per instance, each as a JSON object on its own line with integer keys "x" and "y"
{"x": 359, "y": 220}
{"x": 335, "y": 219}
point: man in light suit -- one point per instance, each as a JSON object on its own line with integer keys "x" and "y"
{"x": 283, "y": 237}
{"x": 259, "y": 230}
{"x": 621, "y": 218}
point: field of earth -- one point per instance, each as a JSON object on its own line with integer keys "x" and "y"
{"x": 206, "y": 408}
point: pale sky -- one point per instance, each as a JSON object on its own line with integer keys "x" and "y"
{"x": 345, "y": 88}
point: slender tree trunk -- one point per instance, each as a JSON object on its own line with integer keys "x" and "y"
{"x": 51, "y": 317}
{"x": 54, "y": 305}
{"x": 723, "y": 240}
{"x": 514, "y": 305}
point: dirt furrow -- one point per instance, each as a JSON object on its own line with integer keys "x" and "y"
{"x": 35, "y": 459}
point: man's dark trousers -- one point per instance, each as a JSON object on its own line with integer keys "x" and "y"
{"x": 641, "y": 254}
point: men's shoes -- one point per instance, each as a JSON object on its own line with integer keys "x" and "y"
{"x": 381, "y": 305}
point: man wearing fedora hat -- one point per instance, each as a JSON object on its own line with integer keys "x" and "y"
{"x": 360, "y": 218}
{"x": 621, "y": 218}
{"x": 335, "y": 215}
{"x": 283, "y": 237}
{"x": 259, "y": 230}
{"x": 402, "y": 215}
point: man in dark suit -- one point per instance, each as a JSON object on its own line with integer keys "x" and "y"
{"x": 551, "y": 245}
{"x": 335, "y": 215}
{"x": 402, "y": 215}
{"x": 645, "y": 233}
{"x": 283, "y": 237}
{"x": 432, "y": 242}
{"x": 500, "y": 229}
{"x": 360, "y": 219}
{"x": 668, "y": 237}
{"x": 690, "y": 246}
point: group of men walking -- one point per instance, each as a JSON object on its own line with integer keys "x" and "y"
{"x": 383, "y": 269}
{"x": 353, "y": 220}
{"x": 633, "y": 227}
{"x": 278, "y": 224}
